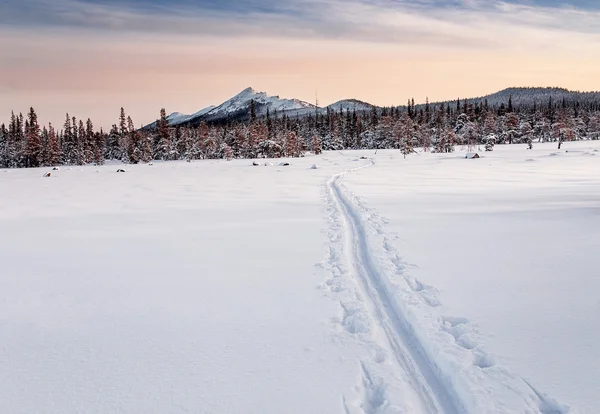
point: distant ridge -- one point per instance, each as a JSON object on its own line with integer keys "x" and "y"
{"x": 238, "y": 108}
{"x": 529, "y": 96}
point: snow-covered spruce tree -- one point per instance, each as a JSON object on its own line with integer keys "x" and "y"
{"x": 162, "y": 139}
{"x": 33, "y": 147}
{"x": 511, "y": 122}
{"x": 404, "y": 132}
{"x": 135, "y": 150}
{"x": 53, "y": 150}
{"x": 269, "y": 149}
{"x": 226, "y": 151}
{"x": 593, "y": 126}
{"x": 256, "y": 133}
{"x": 212, "y": 144}
{"x": 100, "y": 151}
{"x": 446, "y": 142}
{"x": 489, "y": 124}
{"x": 187, "y": 144}
{"x": 90, "y": 142}
{"x": 80, "y": 143}
{"x": 490, "y": 142}
{"x": 202, "y": 139}
{"x": 292, "y": 148}
{"x": 317, "y": 145}
{"x": 68, "y": 144}
{"x": 4, "y": 152}
{"x": 406, "y": 146}
{"x": 114, "y": 149}
{"x": 123, "y": 131}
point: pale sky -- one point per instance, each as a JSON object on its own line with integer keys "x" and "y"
{"x": 90, "y": 57}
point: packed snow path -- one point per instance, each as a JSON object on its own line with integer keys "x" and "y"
{"x": 432, "y": 395}
{"x": 421, "y": 361}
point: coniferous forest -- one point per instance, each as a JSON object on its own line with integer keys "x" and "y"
{"x": 25, "y": 142}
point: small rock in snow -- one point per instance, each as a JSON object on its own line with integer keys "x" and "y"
{"x": 120, "y": 170}
{"x": 55, "y": 169}
{"x": 284, "y": 164}
{"x": 314, "y": 167}
{"x": 255, "y": 163}
{"x": 48, "y": 174}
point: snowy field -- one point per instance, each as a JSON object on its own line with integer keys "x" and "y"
{"x": 434, "y": 284}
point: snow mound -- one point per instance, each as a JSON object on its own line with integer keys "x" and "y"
{"x": 314, "y": 167}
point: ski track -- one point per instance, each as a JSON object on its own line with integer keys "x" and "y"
{"x": 401, "y": 375}
{"x": 399, "y": 341}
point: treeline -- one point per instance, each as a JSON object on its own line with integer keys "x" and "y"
{"x": 25, "y": 143}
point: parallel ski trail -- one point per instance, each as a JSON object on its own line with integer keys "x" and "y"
{"x": 403, "y": 345}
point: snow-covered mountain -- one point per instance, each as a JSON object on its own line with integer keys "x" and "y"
{"x": 242, "y": 101}
{"x": 178, "y": 118}
{"x": 238, "y": 108}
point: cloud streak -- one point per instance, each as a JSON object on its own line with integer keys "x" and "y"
{"x": 464, "y": 22}
{"x": 98, "y": 55}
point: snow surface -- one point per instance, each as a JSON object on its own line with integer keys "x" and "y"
{"x": 433, "y": 284}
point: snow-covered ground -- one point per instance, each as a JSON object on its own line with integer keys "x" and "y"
{"x": 433, "y": 284}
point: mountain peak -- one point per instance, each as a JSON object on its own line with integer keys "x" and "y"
{"x": 248, "y": 91}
